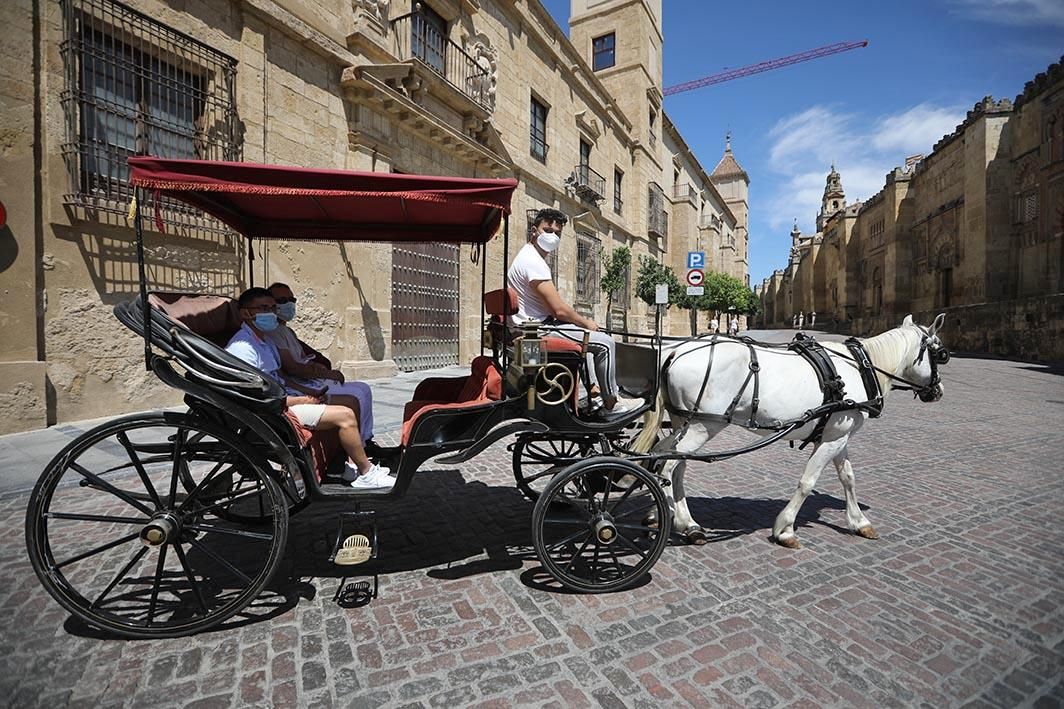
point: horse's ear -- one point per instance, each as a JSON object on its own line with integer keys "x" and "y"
{"x": 938, "y": 323}
{"x": 907, "y": 321}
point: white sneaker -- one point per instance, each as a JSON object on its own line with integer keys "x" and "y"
{"x": 351, "y": 473}
{"x": 376, "y": 478}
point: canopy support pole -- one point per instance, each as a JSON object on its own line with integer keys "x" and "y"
{"x": 251, "y": 264}
{"x": 505, "y": 287}
{"x": 483, "y": 289}
{"x": 145, "y": 309}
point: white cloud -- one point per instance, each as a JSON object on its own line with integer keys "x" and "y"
{"x": 807, "y": 143}
{"x": 1012, "y": 12}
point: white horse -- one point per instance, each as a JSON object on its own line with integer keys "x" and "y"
{"x": 787, "y": 388}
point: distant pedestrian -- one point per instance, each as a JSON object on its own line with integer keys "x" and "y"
{"x": 812, "y": 319}
{"x": 794, "y": 321}
{"x": 801, "y": 320}
{"x": 714, "y": 325}
{"x": 733, "y": 326}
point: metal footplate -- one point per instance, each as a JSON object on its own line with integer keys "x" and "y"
{"x": 353, "y": 550}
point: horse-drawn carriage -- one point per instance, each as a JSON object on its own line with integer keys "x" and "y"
{"x": 166, "y": 524}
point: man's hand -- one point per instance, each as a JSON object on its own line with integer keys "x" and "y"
{"x": 334, "y": 374}
{"x": 591, "y": 325}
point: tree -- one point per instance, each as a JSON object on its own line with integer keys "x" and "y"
{"x": 650, "y": 274}
{"x": 723, "y": 294}
{"x": 615, "y": 266}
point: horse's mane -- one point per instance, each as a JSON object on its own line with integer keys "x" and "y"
{"x": 887, "y": 350}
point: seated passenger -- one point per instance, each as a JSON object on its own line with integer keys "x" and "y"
{"x": 302, "y": 369}
{"x": 538, "y": 299}
{"x": 259, "y": 316}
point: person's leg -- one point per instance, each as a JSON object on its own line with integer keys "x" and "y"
{"x": 344, "y": 420}
{"x": 360, "y": 392}
{"x": 602, "y": 348}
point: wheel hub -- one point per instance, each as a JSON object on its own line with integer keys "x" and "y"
{"x": 604, "y": 529}
{"x": 162, "y": 528}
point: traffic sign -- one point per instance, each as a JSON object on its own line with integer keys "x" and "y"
{"x": 696, "y": 290}
{"x": 695, "y": 277}
{"x": 696, "y": 259}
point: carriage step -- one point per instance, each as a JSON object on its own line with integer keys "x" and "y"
{"x": 356, "y": 549}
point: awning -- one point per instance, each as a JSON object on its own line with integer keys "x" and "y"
{"x": 278, "y": 202}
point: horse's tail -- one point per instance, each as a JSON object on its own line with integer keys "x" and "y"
{"x": 651, "y": 425}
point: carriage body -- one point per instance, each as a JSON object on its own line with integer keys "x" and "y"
{"x": 170, "y": 523}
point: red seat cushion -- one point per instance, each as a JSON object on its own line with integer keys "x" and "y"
{"x": 481, "y": 386}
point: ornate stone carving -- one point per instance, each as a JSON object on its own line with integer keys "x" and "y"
{"x": 378, "y": 9}
{"x": 483, "y": 86}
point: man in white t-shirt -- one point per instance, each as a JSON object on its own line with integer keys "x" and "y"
{"x": 258, "y": 311}
{"x": 301, "y": 368}
{"x": 538, "y": 299}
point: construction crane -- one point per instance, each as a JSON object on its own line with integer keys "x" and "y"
{"x": 765, "y": 66}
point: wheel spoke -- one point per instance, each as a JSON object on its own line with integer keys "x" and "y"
{"x": 632, "y": 545}
{"x": 559, "y": 520}
{"x": 226, "y": 530}
{"x": 103, "y": 484}
{"x": 625, "y": 496}
{"x": 221, "y": 560}
{"x": 160, "y": 567}
{"x": 217, "y": 505}
{"x": 121, "y": 575}
{"x": 635, "y": 527}
{"x": 95, "y": 518}
{"x": 579, "y": 552}
{"x": 97, "y": 550}
{"x": 568, "y": 539}
{"x": 141, "y": 472}
{"x": 191, "y": 578}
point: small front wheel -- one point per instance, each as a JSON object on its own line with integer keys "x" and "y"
{"x": 588, "y": 530}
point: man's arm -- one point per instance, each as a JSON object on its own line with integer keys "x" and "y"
{"x": 559, "y": 308}
{"x": 307, "y": 370}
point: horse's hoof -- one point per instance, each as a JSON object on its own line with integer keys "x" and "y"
{"x": 651, "y": 520}
{"x": 789, "y": 542}
{"x": 696, "y": 535}
{"x": 868, "y": 532}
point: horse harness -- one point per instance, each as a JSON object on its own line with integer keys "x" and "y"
{"x": 819, "y": 359}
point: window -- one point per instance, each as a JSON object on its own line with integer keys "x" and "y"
{"x": 136, "y": 87}
{"x": 618, "y": 184}
{"x": 588, "y": 255}
{"x": 653, "y": 131}
{"x": 538, "y": 131}
{"x": 603, "y": 55}
{"x": 585, "y": 153}
{"x": 428, "y": 36}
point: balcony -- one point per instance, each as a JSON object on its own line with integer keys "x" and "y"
{"x": 685, "y": 191}
{"x": 658, "y": 222}
{"x": 709, "y": 221}
{"x": 588, "y": 184}
{"x": 416, "y": 38}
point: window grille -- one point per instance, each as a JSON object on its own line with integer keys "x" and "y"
{"x": 588, "y": 258}
{"x": 137, "y": 87}
{"x": 618, "y": 183}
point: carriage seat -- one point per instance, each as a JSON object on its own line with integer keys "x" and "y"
{"x": 481, "y": 386}
{"x": 217, "y": 318}
{"x": 500, "y": 304}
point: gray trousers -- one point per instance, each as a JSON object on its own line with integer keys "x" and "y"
{"x": 601, "y": 354}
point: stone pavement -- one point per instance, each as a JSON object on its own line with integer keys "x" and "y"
{"x": 959, "y": 603}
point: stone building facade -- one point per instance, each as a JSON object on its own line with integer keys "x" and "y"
{"x": 484, "y": 88}
{"x": 975, "y": 230}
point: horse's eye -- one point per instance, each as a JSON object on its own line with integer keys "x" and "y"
{"x": 942, "y": 356}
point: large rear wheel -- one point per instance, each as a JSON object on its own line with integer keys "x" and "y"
{"x": 137, "y": 526}
{"x": 589, "y": 531}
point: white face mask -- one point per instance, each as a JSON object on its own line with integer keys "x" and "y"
{"x": 548, "y": 241}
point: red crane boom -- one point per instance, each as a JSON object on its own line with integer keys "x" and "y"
{"x": 765, "y": 66}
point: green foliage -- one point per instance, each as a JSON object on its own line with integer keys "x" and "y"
{"x": 724, "y": 293}
{"x": 650, "y": 274}
{"x": 615, "y": 267}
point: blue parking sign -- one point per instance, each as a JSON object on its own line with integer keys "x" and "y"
{"x": 696, "y": 259}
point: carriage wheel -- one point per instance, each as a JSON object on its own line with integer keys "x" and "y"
{"x": 130, "y": 531}
{"x": 538, "y": 458}
{"x": 590, "y": 535}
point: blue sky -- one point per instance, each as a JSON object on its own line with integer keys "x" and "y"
{"x": 927, "y": 63}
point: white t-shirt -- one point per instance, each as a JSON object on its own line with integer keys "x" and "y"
{"x": 527, "y": 267}
{"x": 260, "y": 354}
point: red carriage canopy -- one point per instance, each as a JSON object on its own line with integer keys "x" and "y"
{"x": 279, "y": 202}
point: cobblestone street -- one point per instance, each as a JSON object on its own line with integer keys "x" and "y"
{"x": 959, "y": 602}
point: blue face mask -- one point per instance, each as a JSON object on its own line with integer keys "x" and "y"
{"x": 286, "y": 311}
{"x": 266, "y": 322}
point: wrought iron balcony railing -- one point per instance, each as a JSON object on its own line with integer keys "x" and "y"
{"x": 588, "y": 183}
{"x": 416, "y": 37}
{"x": 658, "y": 222}
{"x": 685, "y": 191}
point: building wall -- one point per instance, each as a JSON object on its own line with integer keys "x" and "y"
{"x": 975, "y": 230}
{"x": 319, "y": 83}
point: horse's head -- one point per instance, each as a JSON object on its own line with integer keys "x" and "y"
{"x": 921, "y": 370}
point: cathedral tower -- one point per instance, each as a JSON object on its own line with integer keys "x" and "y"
{"x": 834, "y": 199}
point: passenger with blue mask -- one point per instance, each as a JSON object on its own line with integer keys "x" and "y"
{"x": 251, "y": 343}
{"x": 305, "y": 367}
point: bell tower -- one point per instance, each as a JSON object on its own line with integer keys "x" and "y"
{"x": 834, "y": 198}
